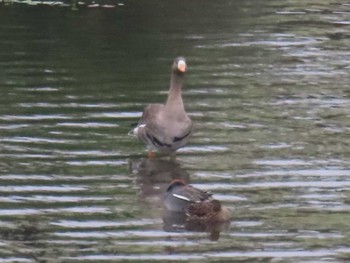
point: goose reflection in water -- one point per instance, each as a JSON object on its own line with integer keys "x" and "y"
{"x": 153, "y": 177}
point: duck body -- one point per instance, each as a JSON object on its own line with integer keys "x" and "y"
{"x": 167, "y": 127}
{"x": 179, "y": 196}
{"x": 209, "y": 212}
{"x": 198, "y": 205}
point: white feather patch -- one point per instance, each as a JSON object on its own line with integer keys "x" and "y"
{"x": 135, "y": 131}
{"x": 181, "y": 197}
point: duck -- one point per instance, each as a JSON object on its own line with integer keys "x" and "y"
{"x": 198, "y": 205}
{"x": 166, "y": 127}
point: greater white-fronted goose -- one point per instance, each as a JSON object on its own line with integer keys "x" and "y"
{"x": 167, "y": 127}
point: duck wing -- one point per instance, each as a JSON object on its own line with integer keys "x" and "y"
{"x": 191, "y": 194}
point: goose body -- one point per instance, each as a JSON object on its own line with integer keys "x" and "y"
{"x": 167, "y": 127}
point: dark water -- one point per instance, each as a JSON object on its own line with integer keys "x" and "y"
{"x": 267, "y": 88}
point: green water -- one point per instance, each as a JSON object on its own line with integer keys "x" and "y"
{"x": 267, "y": 89}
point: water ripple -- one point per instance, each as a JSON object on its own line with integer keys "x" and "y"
{"x": 42, "y": 188}
{"x": 101, "y": 224}
{"x": 88, "y": 125}
{"x": 34, "y": 117}
{"x": 75, "y": 210}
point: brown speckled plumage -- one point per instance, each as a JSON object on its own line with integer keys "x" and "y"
{"x": 209, "y": 211}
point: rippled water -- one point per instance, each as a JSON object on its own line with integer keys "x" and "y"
{"x": 267, "y": 88}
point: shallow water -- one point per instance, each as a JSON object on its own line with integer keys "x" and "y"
{"x": 267, "y": 89}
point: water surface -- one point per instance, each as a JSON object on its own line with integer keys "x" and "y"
{"x": 267, "y": 89}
